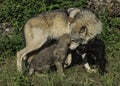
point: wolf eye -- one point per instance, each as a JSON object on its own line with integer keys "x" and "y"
{"x": 73, "y": 40}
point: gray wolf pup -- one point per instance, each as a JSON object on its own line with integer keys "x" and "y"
{"x": 52, "y": 55}
{"x": 51, "y": 25}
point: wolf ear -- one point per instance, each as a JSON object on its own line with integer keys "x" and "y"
{"x": 73, "y": 13}
{"x": 83, "y": 29}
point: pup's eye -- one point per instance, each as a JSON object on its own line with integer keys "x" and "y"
{"x": 72, "y": 40}
{"x": 75, "y": 41}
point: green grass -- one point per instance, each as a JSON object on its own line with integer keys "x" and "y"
{"x": 75, "y": 76}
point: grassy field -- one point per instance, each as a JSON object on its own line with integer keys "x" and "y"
{"x": 75, "y": 75}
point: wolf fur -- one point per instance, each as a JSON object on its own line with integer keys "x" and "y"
{"x": 51, "y": 25}
{"x": 94, "y": 50}
{"x": 54, "y": 55}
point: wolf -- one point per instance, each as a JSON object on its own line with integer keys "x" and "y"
{"x": 53, "y": 55}
{"x": 53, "y": 24}
{"x": 94, "y": 50}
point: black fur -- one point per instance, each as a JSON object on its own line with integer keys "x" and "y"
{"x": 95, "y": 50}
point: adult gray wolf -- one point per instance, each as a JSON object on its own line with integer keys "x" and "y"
{"x": 53, "y": 24}
{"x": 52, "y": 55}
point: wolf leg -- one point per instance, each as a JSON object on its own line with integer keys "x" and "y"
{"x": 33, "y": 45}
{"x": 68, "y": 61}
{"x": 59, "y": 67}
{"x": 86, "y": 64}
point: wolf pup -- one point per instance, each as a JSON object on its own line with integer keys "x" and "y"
{"x": 94, "y": 49}
{"x": 53, "y": 24}
{"x": 52, "y": 55}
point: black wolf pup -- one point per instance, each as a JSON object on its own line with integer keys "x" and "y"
{"x": 94, "y": 49}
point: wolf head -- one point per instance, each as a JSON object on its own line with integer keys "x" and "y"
{"x": 84, "y": 25}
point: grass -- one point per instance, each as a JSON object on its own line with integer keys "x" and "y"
{"x": 75, "y": 75}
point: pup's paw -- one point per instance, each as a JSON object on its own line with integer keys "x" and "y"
{"x": 40, "y": 74}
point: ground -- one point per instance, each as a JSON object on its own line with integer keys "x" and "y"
{"x": 74, "y": 76}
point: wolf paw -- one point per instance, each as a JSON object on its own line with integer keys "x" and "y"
{"x": 91, "y": 71}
